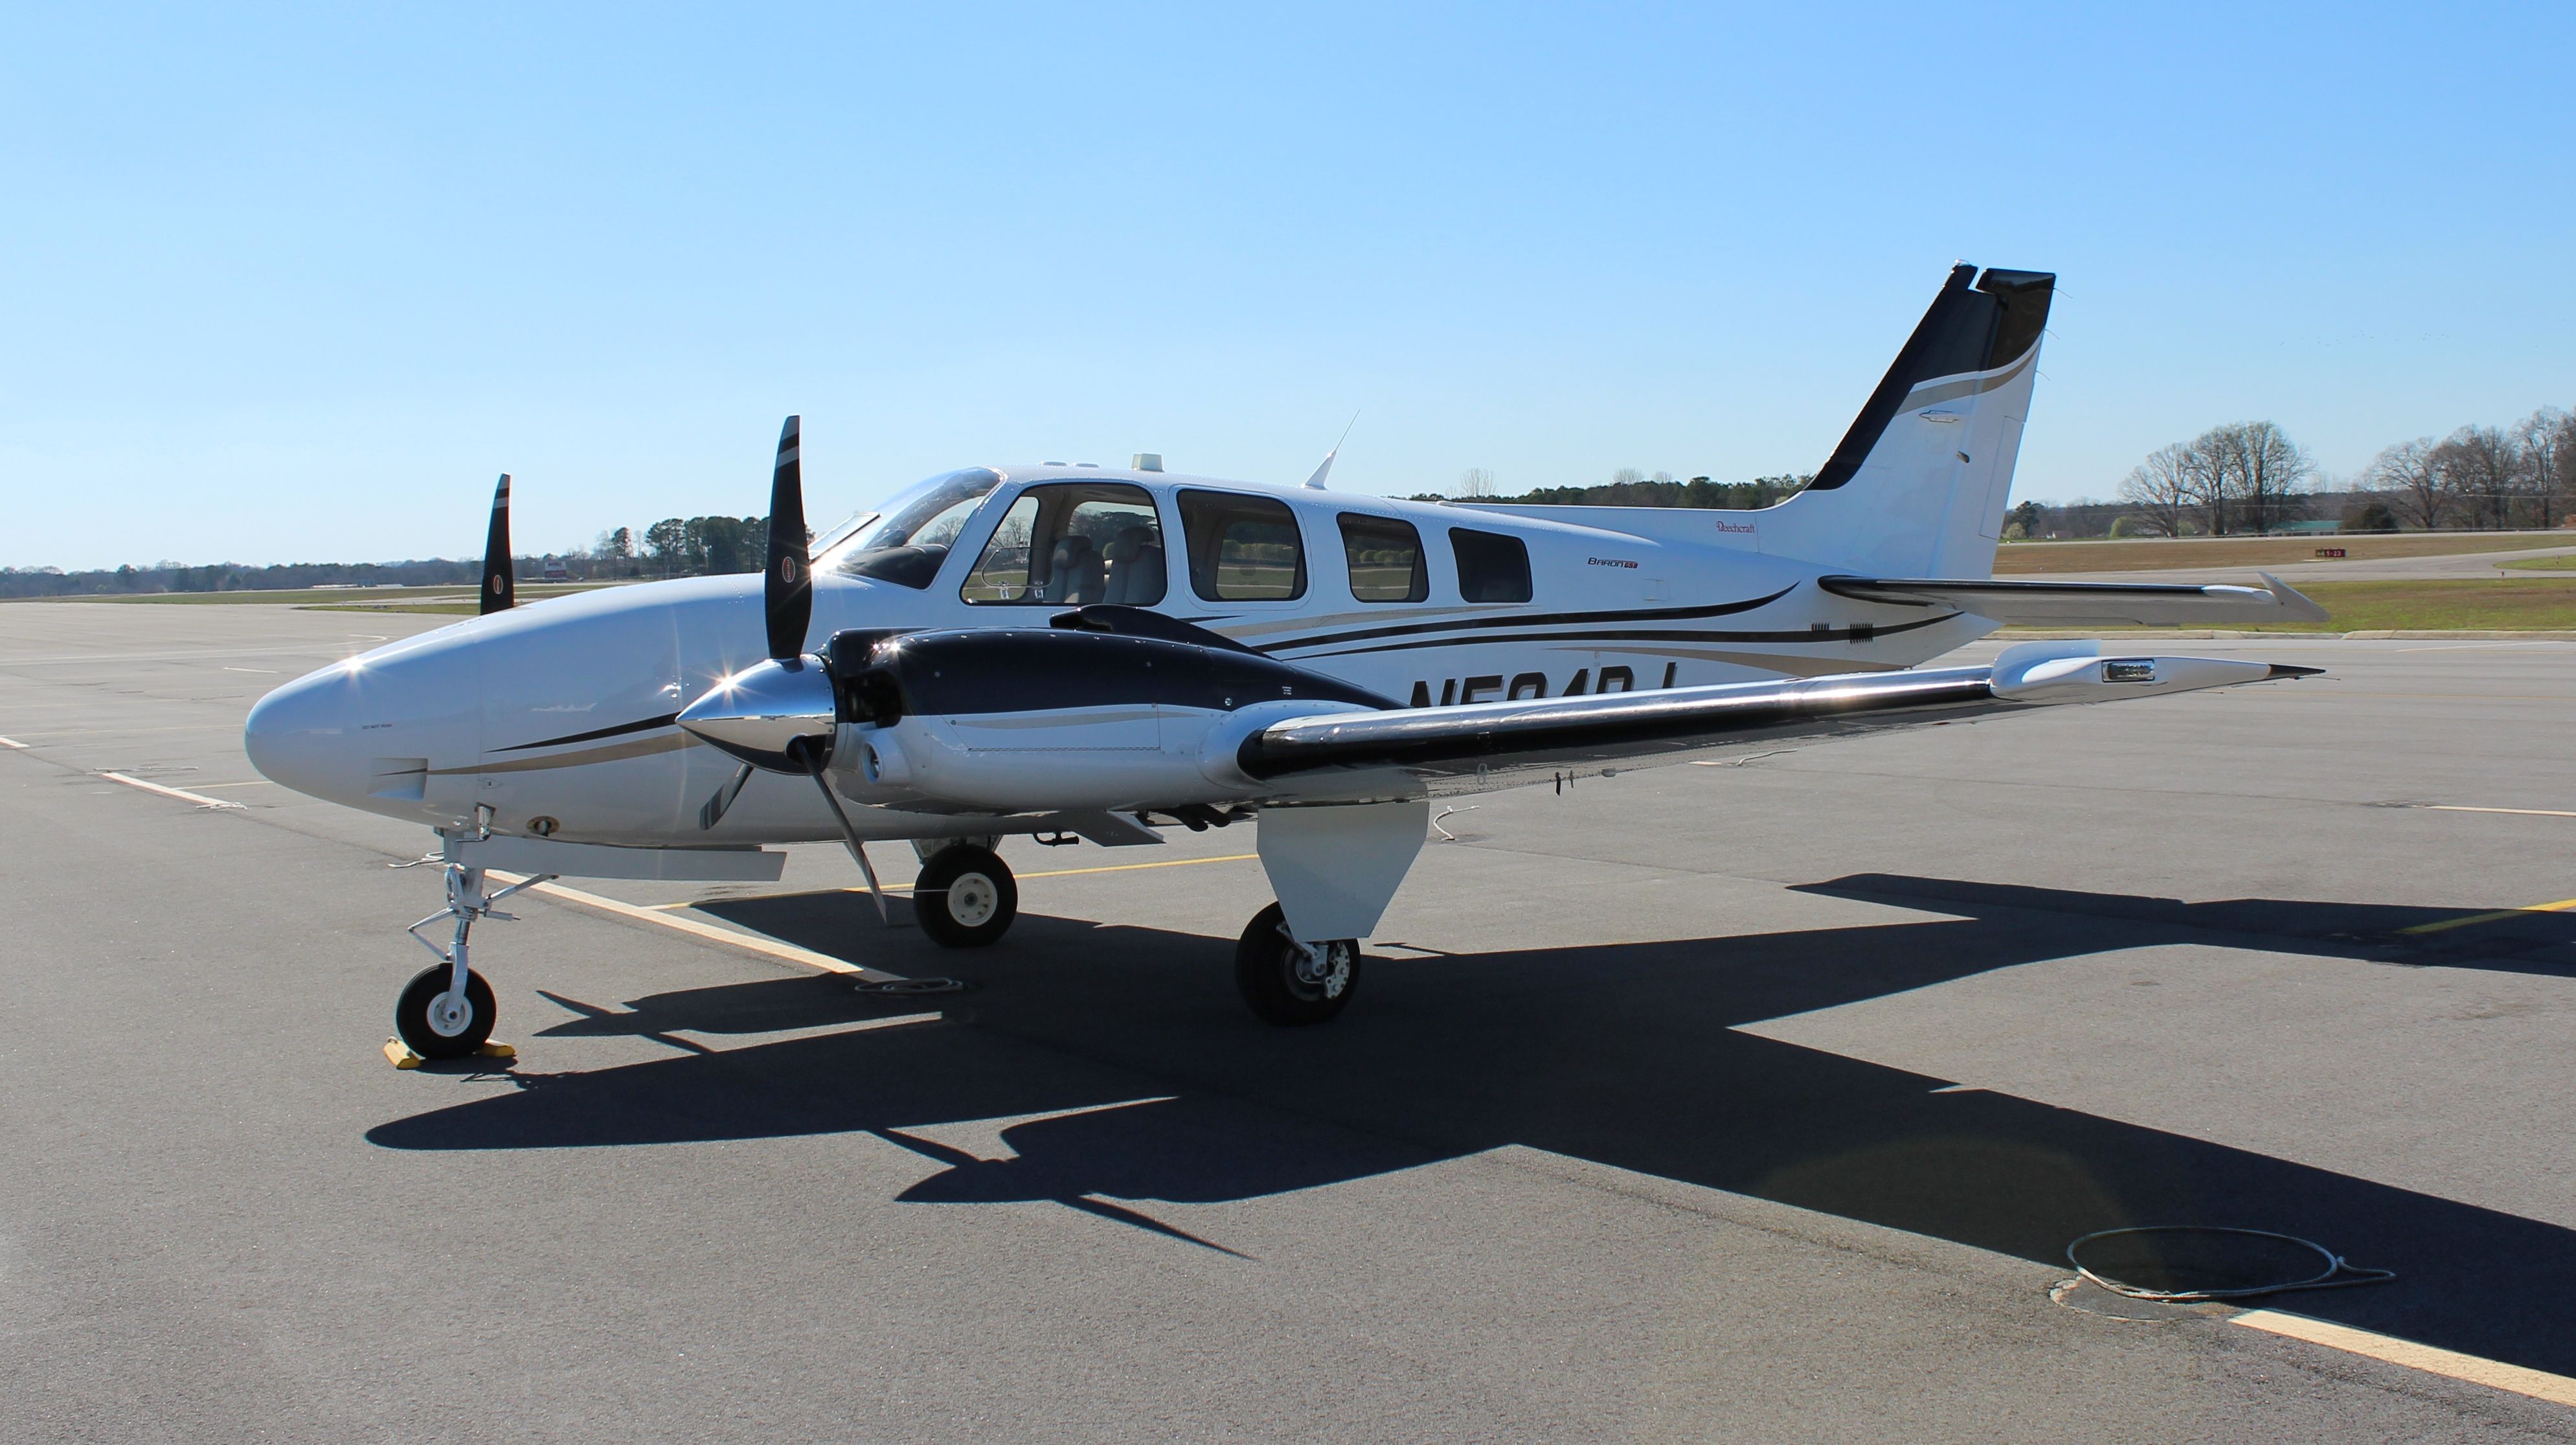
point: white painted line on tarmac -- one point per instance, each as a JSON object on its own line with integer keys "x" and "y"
{"x": 2525, "y": 812}
{"x": 2487, "y": 646}
{"x": 13, "y": 743}
{"x": 768, "y": 947}
{"x": 270, "y": 671}
{"x": 2451, "y": 1364}
{"x": 200, "y": 799}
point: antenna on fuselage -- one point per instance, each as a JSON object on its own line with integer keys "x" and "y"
{"x": 500, "y": 589}
{"x": 1317, "y": 480}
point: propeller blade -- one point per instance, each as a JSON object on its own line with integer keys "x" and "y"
{"x": 788, "y": 591}
{"x": 713, "y": 810}
{"x": 499, "y": 590}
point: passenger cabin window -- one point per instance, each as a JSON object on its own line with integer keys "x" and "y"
{"x": 1385, "y": 558}
{"x": 1070, "y": 545}
{"x": 1491, "y": 566}
{"x": 1243, "y": 549}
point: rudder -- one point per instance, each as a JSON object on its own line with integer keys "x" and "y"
{"x": 1918, "y": 485}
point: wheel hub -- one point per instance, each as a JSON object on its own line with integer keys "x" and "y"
{"x": 1325, "y": 968}
{"x": 450, "y": 1014}
{"x": 973, "y": 900}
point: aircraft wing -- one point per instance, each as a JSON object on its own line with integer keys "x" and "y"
{"x": 1481, "y": 741}
{"x": 2090, "y": 604}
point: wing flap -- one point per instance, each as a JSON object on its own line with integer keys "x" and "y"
{"x": 2090, "y": 604}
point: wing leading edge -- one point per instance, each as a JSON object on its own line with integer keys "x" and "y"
{"x": 1486, "y": 738}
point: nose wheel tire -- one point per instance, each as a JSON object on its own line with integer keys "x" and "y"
{"x": 1284, "y": 982}
{"x": 965, "y": 897}
{"x": 436, "y": 1024}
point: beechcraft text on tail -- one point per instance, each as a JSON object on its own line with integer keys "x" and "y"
{"x": 1090, "y": 653}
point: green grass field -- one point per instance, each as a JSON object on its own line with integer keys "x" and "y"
{"x": 2544, "y": 602}
{"x": 2470, "y": 604}
{"x": 2017, "y": 559}
{"x": 458, "y": 599}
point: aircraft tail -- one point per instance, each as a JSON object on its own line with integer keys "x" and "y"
{"x": 1918, "y": 486}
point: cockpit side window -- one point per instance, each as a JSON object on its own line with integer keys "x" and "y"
{"x": 1242, "y": 548}
{"x": 907, "y": 542}
{"x": 1071, "y": 544}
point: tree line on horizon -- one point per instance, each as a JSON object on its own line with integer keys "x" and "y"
{"x": 2250, "y": 476}
{"x": 2235, "y": 478}
{"x": 1629, "y": 487}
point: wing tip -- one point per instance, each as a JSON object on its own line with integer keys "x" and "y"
{"x": 2298, "y": 604}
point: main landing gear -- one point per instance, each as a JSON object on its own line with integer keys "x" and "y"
{"x": 1287, "y": 982}
{"x": 446, "y": 1011}
{"x": 965, "y": 896}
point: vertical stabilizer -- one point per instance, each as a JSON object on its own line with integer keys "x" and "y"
{"x": 1918, "y": 486}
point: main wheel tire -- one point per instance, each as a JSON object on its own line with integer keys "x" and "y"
{"x": 965, "y": 897}
{"x": 434, "y": 1032}
{"x": 1282, "y": 982}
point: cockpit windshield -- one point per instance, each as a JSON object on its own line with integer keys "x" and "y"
{"x": 906, "y": 541}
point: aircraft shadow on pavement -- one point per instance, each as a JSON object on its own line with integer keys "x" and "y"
{"x": 1624, "y": 1054}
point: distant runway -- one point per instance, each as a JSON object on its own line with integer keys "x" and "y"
{"x": 1745, "y": 1103}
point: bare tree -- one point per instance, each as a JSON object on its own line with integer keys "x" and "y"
{"x": 1476, "y": 482}
{"x": 2481, "y": 466}
{"x": 2409, "y": 474}
{"x": 2255, "y": 465}
{"x": 2205, "y": 482}
{"x": 2547, "y": 440}
{"x": 1626, "y": 477}
{"x": 2162, "y": 490}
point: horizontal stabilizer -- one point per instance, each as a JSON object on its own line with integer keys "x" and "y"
{"x": 2090, "y": 604}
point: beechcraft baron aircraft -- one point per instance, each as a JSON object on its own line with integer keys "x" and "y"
{"x": 1076, "y": 652}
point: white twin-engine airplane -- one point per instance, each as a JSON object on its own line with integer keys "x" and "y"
{"x": 1076, "y": 652}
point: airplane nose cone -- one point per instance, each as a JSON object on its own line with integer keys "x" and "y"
{"x": 302, "y": 735}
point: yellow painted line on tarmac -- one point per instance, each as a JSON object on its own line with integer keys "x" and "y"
{"x": 2561, "y": 906}
{"x": 13, "y": 743}
{"x": 1130, "y": 867}
{"x": 2525, "y": 812}
{"x": 2450, "y": 1364}
{"x": 200, "y": 799}
{"x": 752, "y": 943}
{"x": 245, "y": 783}
{"x": 1051, "y": 873}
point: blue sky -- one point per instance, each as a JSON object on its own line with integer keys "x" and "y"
{"x": 294, "y": 284}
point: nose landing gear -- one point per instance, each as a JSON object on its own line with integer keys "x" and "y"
{"x": 447, "y": 1011}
